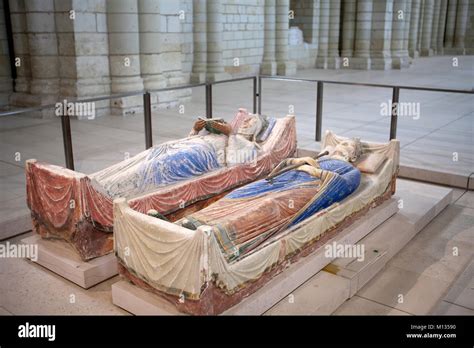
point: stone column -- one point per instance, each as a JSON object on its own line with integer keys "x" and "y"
{"x": 348, "y": 27}
{"x": 441, "y": 26}
{"x": 461, "y": 25}
{"x": 198, "y": 74}
{"x": 215, "y": 62}
{"x": 124, "y": 56}
{"x": 5, "y": 72}
{"x": 420, "y": 27}
{"x": 334, "y": 24}
{"x": 427, "y": 26}
{"x": 324, "y": 13}
{"x": 406, "y": 34}
{"x": 434, "y": 29}
{"x": 400, "y": 20}
{"x": 312, "y": 34}
{"x": 284, "y": 65}
{"x": 362, "y": 58}
{"x": 83, "y": 50}
{"x": 450, "y": 24}
{"x": 269, "y": 65}
{"x": 22, "y": 52}
{"x": 414, "y": 28}
{"x": 150, "y": 24}
{"x": 380, "y": 48}
{"x": 43, "y": 47}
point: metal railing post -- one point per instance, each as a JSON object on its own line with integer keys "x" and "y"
{"x": 147, "y": 117}
{"x": 209, "y": 100}
{"x": 319, "y": 111}
{"x": 394, "y": 115}
{"x": 255, "y": 94}
{"x": 67, "y": 141}
{"x": 259, "y": 104}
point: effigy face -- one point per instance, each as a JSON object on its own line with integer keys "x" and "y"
{"x": 168, "y": 178}
{"x": 233, "y": 246}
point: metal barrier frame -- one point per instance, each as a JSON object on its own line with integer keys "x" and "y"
{"x": 257, "y": 105}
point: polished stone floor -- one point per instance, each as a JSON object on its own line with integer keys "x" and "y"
{"x": 440, "y": 137}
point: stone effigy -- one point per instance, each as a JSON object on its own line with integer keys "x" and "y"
{"x": 206, "y": 261}
{"x": 168, "y": 177}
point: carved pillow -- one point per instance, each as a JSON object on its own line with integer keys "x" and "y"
{"x": 370, "y": 163}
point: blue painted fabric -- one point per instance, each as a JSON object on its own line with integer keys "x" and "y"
{"x": 263, "y": 135}
{"x": 172, "y": 162}
{"x": 341, "y": 186}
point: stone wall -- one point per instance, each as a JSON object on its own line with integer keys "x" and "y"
{"x": 78, "y": 48}
{"x": 5, "y": 73}
{"x": 243, "y": 36}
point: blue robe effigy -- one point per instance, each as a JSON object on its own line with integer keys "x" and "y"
{"x": 251, "y": 214}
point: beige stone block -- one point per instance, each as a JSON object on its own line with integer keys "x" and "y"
{"x": 40, "y": 22}
{"x": 21, "y": 44}
{"x": 93, "y": 6}
{"x": 64, "y": 24}
{"x": 122, "y": 22}
{"x": 45, "y": 67}
{"x": 66, "y": 44}
{"x": 92, "y": 67}
{"x": 39, "y": 5}
{"x": 67, "y": 67}
{"x": 123, "y": 43}
{"x": 43, "y": 44}
{"x": 85, "y": 22}
{"x": 119, "y": 68}
{"x": 18, "y": 22}
{"x": 170, "y": 61}
{"x": 122, "y": 6}
{"x": 91, "y": 44}
{"x": 101, "y": 20}
{"x": 152, "y": 23}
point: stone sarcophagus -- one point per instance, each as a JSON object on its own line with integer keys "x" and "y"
{"x": 206, "y": 261}
{"x": 78, "y": 208}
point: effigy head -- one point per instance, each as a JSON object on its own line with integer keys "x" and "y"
{"x": 251, "y": 126}
{"x": 347, "y": 150}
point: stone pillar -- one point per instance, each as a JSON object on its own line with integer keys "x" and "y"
{"x": 83, "y": 50}
{"x": 284, "y": 65}
{"x": 312, "y": 34}
{"x": 406, "y": 34}
{"x": 215, "y": 62}
{"x": 450, "y": 24}
{"x": 124, "y": 54}
{"x": 334, "y": 25}
{"x": 380, "y": 48}
{"x": 150, "y": 24}
{"x": 420, "y": 27}
{"x": 324, "y": 10}
{"x": 441, "y": 26}
{"x": 362, "y": 58}
{"x": 22, "y": 52}
{"x": 43, "y": 47}
{"x": 434, "y": 29}
{"x": 269, "y": 65}
{"x": 5, "y": 72}
{"x": 427, "y": 26}
{"x": 414, "y": 28}
{"x": 400, "y": 20}
{"x": 461, "y": 25}
{"x": 348, "y": 27}
{"x": 198, "y": 74}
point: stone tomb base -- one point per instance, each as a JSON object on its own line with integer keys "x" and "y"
{"x": 59, "y": 257}
{"x": 141, "y": 302}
